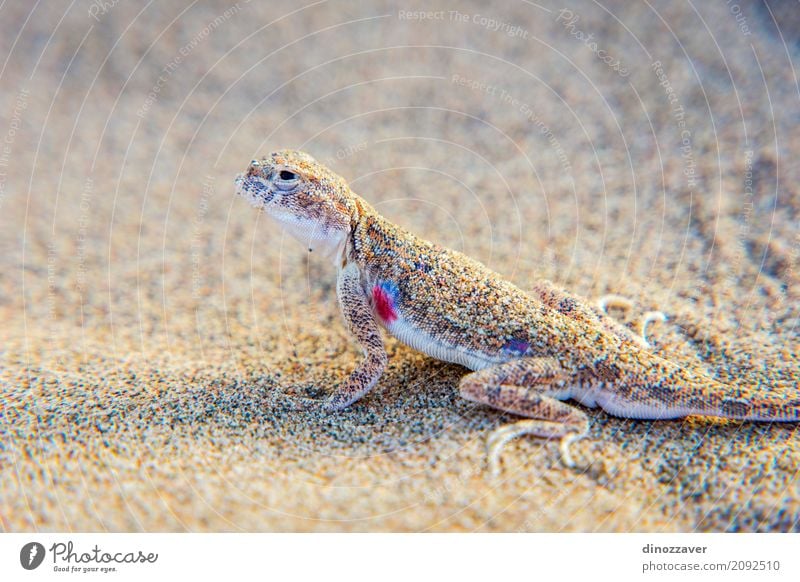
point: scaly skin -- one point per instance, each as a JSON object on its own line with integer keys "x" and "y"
{"x": 528, "y": 351}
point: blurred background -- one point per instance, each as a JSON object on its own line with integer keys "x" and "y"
{"x": 152, "y": 320}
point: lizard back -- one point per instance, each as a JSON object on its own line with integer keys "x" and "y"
{"x": 421, "y": 291}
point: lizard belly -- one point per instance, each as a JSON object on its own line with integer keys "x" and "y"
{"x": 384, "y": 296}
{"x": 424, "y": 342}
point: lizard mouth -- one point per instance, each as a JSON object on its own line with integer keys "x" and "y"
{"x": 255, "y": 190}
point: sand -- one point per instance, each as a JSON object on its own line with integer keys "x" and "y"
{"x": 153, "y": 323}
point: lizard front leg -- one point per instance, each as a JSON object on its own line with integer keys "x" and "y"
{"x": 361, "y": 324}
{"x": 531, "y": 387}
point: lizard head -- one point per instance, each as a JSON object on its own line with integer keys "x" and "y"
{"x": 315, "y": 205}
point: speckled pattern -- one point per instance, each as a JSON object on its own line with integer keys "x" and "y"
{"x": 530, "y": 349}
{"x": 157, "y": 331}
{"x": 453, "y": 308}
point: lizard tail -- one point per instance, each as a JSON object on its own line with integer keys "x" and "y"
{"x": 666, "y": 390}
{"x": 728, "y": 401}
{"x": 772, "y": 408}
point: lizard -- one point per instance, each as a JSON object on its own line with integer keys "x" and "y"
{"x": 527, "y": 351}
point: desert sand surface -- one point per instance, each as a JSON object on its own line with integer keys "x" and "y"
{"x": 154, "y": 324}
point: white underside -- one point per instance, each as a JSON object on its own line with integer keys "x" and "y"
{"x": 627, "y": 409}
{"x": 609, "y": 401}
{"x": 591, "y": 397}
{"x": 428, "y": 345}
{"x": 311, "y": 233}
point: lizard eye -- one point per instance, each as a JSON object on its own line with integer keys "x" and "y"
{"x": 286, "y": 180}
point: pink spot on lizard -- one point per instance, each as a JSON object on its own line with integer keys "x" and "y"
{"x": 383, "y": 295}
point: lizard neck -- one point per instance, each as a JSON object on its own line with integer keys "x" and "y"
{"x": 361, "y": 215}
{"x": 372, "y": 234}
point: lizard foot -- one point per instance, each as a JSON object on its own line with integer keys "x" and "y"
{"x": 301, "y": 403}
{"x": 625, "y": 304}
{"x": 530, "y": 387}
{"x": 343, "y": 395}
{"x": 501, "y": 437}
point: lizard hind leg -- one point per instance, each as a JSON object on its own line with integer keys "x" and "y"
{"x": 595, "y": 315}
{"x": 530, "y": 387}
{"x": 625, "y": 304}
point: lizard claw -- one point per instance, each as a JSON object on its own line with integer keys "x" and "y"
{"x": 298, "y": 403}
{"x": 301, "y": 404}
{"x": 563, "y": 448}
{"x": 614, "y": 301}
{"x": 649, "y": 318}
{"x": 501, "y": 436}
{"x": 625, "y": 304}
